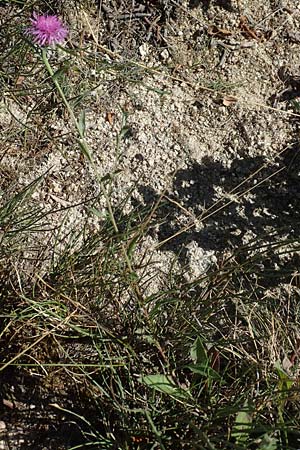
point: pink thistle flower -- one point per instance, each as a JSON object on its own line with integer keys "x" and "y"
{"x": 47, "y": 30}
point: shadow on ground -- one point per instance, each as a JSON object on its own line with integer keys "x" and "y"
{"x": 267, "y": 210}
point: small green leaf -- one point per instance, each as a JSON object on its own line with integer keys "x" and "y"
{"x": 125, "y": 132}
{"x": 204, "y": 370}
{"x": 198, "y": 352}
{"x": 164, "y": 384}
{"x": 85, "y": 149}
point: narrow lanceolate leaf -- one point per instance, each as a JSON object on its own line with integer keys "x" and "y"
{"x": 164, "y": 384}
{"x": 198, "y": 352}
{"x": 204, "y": 370}
{"x": 85, "y": 150}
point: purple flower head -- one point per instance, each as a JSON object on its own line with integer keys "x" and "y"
{"x": 47, "y": 30}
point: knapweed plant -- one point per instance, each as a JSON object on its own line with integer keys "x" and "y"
{"x": 48, "y": 30}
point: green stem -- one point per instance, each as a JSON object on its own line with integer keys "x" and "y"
{"x": 61, "y": 92}
{"x": 82, "y": 142}
{"x": 86, "y": 151}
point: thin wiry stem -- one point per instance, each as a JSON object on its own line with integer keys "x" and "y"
{"x": 87, "y": 153}
{"x": 82, "y": 141}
